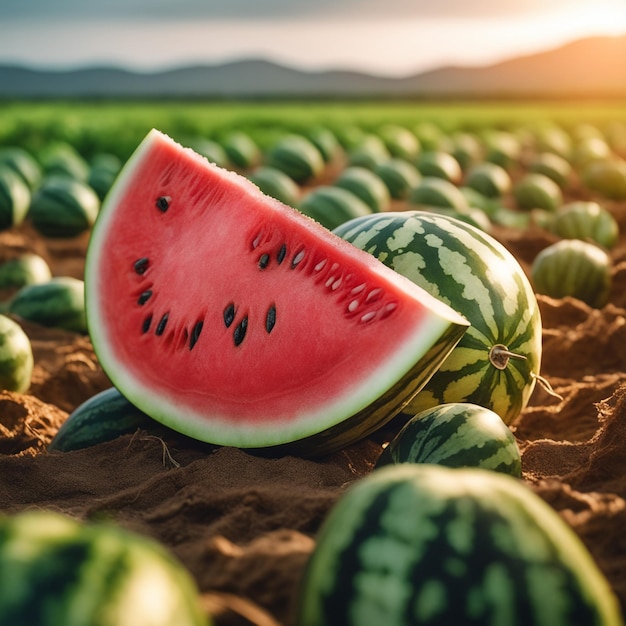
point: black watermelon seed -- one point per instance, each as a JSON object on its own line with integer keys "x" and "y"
{"x": 160, "y": 329}
{"x": 146, "y": 324}
{"x": 163, "y": 203}
{"x": 270, "y": 319}
{"x": 280, "y": 257}
{"x": 229, "y": 314}
{"x": 240, "y": 331}
{"x": 264, "y": 259}
{"x": 141, "y": 265}
{"x": 144, "y": 297}
{"x": 195, "y": 334}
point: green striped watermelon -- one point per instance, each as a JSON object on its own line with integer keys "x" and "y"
{"x": 426, "y": 545}
{"x": 26, "y": 269}
{"x": 331, "y": 206}
{"x": 58, "y": 303}
{"x": 296, "y": 156}
{"x": 537, "y": 191}
{"x": 575, "y": 268}
{"x": 552, "y": 165}
{"x": 63, "y": 207}
{"x": 61, "y": 158}
{"x": 15, "y": 198}
{"x": 57, "y": 571}
{"x": 16, "y": 356}
{"x": 588, "y": 221}
{"x": 242, "y": 151}
{"x": 497, "y": 361}
{"x": 458, "y": 434}
{"x": 367, "y": 185}
{"x": 325, "y": 141}
{"x": 439, "y": 164}
{"x": 368, "y": 152}
{"x": 103, "y": 417}
{"x": 399, "y": 175}
{"x": 431, "y": 191}
{"x": 103, "y": 169}
{"x": 276, "y": 183}
{"x": 489, "y": 179}
{"x": 399, "y": 141}
{"x": 23, "y": 163}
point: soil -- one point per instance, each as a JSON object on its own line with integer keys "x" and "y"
{"x": 245, "y": 525}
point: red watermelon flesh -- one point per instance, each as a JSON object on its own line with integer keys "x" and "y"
{"x": 235, "y": 319}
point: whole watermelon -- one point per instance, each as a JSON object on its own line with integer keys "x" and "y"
{"x": 497, "y": 361}
{"x": 63, "y": 207}
{"x": 456, "y": 434}
{"x": 57, "y": 571}
{"x": 16, "y": 356}
{"x": 15, "y": 198}
{"x": 56, "y": 303}
{"x": 27, "y": 268}
{"x": 426, "y": 545}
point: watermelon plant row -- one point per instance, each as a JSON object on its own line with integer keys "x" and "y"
{"x": 526, "y": 168}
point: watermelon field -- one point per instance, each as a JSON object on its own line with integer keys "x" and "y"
{"x": 447, "y": 449}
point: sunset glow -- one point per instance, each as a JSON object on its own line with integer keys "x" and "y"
{"x": 403, "y": 40}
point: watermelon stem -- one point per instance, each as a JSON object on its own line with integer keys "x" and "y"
{"x": 547, "y": 386}
{"x": 499, "y": 356}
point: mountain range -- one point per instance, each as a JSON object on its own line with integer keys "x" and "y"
{"x": 590, "y": 67}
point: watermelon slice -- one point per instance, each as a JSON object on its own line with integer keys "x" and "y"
{"x": 237, "y": 320}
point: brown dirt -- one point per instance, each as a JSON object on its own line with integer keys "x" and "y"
{"x": 245, "y": 525}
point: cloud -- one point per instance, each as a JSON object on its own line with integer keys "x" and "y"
{"x": 269, "y": 9}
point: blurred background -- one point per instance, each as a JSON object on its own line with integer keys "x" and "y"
{"x": 396, "y": 39}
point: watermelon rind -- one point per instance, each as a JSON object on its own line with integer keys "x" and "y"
{"x": 308, "y": 413}
{"x": 427, "y": 545}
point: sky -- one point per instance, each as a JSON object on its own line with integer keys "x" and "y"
{"x": 386, "y": 37}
